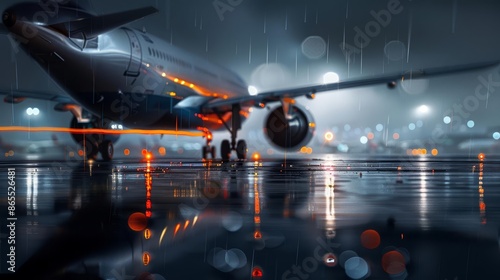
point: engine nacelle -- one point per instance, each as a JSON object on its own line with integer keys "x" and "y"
{"x": 292, "y": 133}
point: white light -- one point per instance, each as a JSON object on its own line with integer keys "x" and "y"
{"x": 379, "y": 127}
{"x": 252, "y": 90}
{"x": 411, "y": 126}
{"x": 470, "y": 124}
{"x": 330, "y": 77}
{"x": 36, "y": 112}
{"x": 423, "y": 109}
{"x": 29, "y": 111}
{"x": 363, "y": 140}
{"x": 496, "y": 135}
{"x": 447, "y": 120}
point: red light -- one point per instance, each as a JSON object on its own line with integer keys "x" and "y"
{"x": 257, "y": 272}
{"x": 137, "y": 221}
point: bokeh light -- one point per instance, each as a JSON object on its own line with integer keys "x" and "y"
{"x": 370, "y": 239}
{"x": 137, "y": 221}
{"x": 393, "y": 263}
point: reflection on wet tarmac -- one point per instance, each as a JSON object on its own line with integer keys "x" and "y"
{"x": 318, "y": 219}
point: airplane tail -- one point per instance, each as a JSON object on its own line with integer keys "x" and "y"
{"x": 92, "y": 26}
{"x": 84, "y": 5}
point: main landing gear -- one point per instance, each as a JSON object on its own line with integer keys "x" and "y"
{"x": 92, "y": 144}
{"x": 227, "y": 146}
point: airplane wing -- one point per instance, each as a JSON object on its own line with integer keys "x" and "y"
{"x": 261, "y": 99}
{"x": 17, "y": 96}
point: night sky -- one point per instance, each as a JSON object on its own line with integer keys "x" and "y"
{"x": 282, "y": 44}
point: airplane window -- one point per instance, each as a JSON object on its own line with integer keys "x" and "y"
{"x": 149, "y": 49}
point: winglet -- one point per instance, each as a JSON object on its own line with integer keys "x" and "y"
{"x": 91, "y": 27}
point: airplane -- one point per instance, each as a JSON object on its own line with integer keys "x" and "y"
{"x": 115, "y": 74}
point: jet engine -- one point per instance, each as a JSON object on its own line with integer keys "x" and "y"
{"x": 289, "y": 131}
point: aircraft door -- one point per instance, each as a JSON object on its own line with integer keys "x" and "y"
{"x": 134, "y": 65}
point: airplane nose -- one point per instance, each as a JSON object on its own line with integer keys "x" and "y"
{"x": 9, "y": 18}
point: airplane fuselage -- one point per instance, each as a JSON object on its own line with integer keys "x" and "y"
{"x": 133, "y": 78}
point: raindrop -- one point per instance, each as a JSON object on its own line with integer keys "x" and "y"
{"x": 242, "y": 258}
{"x": 232, "y": 221}
{"x": 447, "y": 120}
{"x": 346, "y": 255}
{"x": 394, "y": 50}
{"x": 496, "y": 135}
{"x": 356, "y": 268}
{"x": 379, "y": 127}
{"x": 470, "y": 124}
{"x": 411, "y": 126}
{"x": 410, "y": 20}
{"x": 454, "y": 19}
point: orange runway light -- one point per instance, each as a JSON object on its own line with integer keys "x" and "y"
{"x": 146, "y": 258}
{"x": 147, "y": 234}
{"x": 126, "y": 152}
{"x": 100, "y": 131}
{"x": 256, "y": 156}
{"x": 480, "y": 156}
{"x": 177, "y": 227}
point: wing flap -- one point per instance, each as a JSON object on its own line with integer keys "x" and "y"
{"x": 17, "y": 96}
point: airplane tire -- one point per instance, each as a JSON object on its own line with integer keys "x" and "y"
{"x": 107, "y": 150}
{"x": 241, "y": 149}
{"x": 225, "y": 150}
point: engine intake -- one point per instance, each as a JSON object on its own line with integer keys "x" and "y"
{"x": 291, "y": 133}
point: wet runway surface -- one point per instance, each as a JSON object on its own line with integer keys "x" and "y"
{"x": 328, "y": 218}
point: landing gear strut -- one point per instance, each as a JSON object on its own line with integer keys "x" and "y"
{"x": 241, "y": 146}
